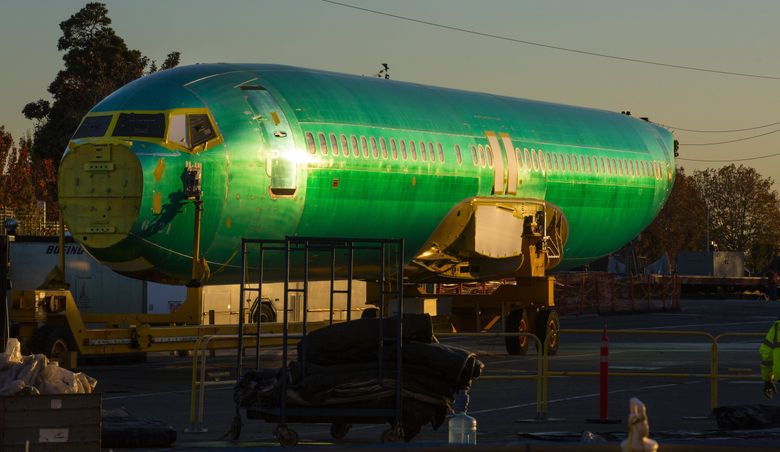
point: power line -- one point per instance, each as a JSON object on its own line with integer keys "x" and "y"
{"x": 730, "y": 160}
{"x": 719, "y": 131}
{"x": 550, "y": 46}
{"x": 732, "y": 141}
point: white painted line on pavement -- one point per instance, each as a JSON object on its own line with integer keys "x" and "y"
{"x": 584, "y": 396}
{"x": 156, "y": 394}
{"x": 695, "y": 325}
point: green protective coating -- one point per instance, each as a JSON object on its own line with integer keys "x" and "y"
{"x": 264, "y": 180}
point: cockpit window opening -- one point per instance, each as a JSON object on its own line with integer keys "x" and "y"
{"x": 146, "y": 125}
{"x": 200, "y": 129}
{"x": 93, "y": 126}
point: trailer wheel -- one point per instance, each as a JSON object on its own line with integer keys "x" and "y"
{"x": 371, "y": 312}
{"x": 267, "y": 313}
{"x": 286, "y": 436}
{"x": 517, "y": 322}
{"x": 52, "y": 341}
{"x": 338, "y": 430}
{"x": 547, "y": 323}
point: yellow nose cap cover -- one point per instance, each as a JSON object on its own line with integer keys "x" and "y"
{"x": 100, "y": 188}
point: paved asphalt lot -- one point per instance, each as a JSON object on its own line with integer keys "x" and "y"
{"x": 678, "y": 408}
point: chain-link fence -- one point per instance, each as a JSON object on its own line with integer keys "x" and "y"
{"x": 33, "y": 222}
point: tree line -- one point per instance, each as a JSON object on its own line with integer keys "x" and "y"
{"x": 96, "y": 63}
{"x": 734, "y": 205}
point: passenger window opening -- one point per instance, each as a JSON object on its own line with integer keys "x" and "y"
{"x": 458, "y": 155}
{"x": 489, "y": 155}
{"x": 430, "y": 152}
{"x": 481, "y": 151}
{"x": 404, "y": 155}
{"x": 354, "y": 142}
{"x": 364, "y": 146}
{"x": 474, "y": 157}
{"x": 393, "y": 149}
{"x": 310, "y": 145}
{"x": 374, "y": 149}
{"x": 334, "y": 144}
{"x": 383, "y": 148}
{"x": 344, "y": 145}
{"x": 441, "y": 152}
{"x": 423, "y": 152}
{"x": 323, "y": 143}
{"x": 412, "y": 150}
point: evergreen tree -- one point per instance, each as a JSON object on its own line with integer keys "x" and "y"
{"x": 97, "y": 62}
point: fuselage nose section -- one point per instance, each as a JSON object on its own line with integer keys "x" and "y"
{"x": 100, "y": 191}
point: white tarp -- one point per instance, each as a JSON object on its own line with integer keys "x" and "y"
{"x": 34, "y": 374}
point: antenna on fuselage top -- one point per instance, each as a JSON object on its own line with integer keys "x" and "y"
{"x": 384, "y": 72}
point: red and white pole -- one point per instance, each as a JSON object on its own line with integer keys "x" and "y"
{"x": 604, "y": 375}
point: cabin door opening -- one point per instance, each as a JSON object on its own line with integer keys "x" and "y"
{"x": 281, "y": 165}
{"x": 504, "y": 163}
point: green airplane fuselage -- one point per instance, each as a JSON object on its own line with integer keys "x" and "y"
{"x": 287, "y": 151}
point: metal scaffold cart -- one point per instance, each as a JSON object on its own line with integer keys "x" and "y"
{"x": 286, "y": 395}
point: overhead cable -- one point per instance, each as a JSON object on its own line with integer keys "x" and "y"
{"x": 730, "y": 160}
{"x": 732, "y": 141}
{"x": 550, "y": 46}
{"x": 719, "y": 131}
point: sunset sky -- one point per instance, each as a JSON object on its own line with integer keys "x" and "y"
{"x": 727, "y": 36}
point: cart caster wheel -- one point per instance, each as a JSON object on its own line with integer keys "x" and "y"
{"x": 392, "y": 435}
{"x": 410, "y": 431}
{"x": 338, "y": 430}
{"x": 286, "y": 436}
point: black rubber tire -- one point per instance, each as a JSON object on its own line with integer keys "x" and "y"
{"x": 517, "y": 322}
{"x": 547, "y": 322}
{"x": 54, "y": 341}
{"x": 410, "y": 431}
{"x": 267, "y": 313}
{"x": 392, "y": 435}
{"x": 370, "y": 313}
{"x": 338, "y": 430}
{"x": 286, "y": 436}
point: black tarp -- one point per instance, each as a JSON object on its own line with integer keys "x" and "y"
{"x": 342, "y": 369}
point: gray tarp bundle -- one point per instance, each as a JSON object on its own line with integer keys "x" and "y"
{"x": 742, "y": 417}
{"x": 342, "y": 369}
